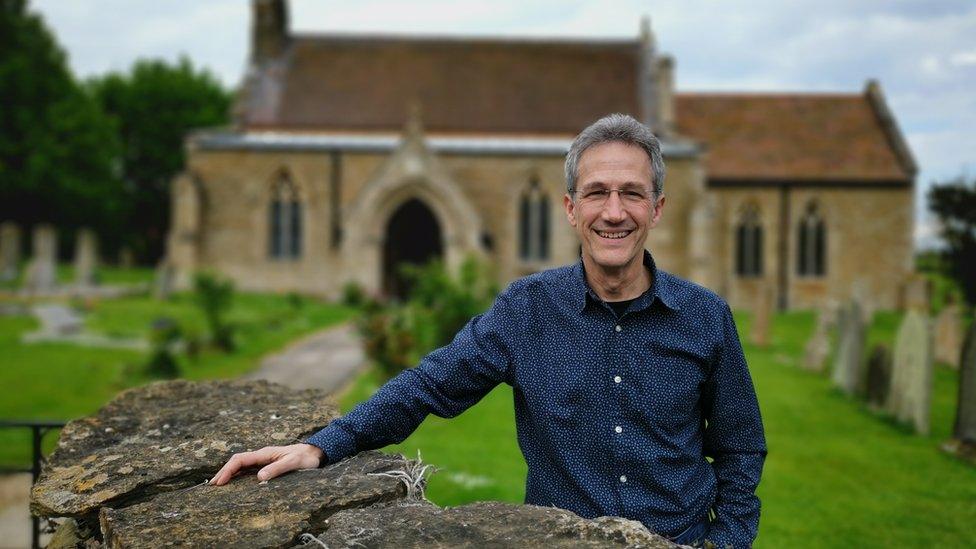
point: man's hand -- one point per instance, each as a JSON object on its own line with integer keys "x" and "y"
{"x": 277, "y": 459}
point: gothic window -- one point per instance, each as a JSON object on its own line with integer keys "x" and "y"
{"x": 534, "y": 224}
{"x": 749, "y": 244}
{"x": 811, "y": 243}
{"x": 285, "y": 226}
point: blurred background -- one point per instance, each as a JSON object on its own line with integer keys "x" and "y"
{"x": 239, "y": 188}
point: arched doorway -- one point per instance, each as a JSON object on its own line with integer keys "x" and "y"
{"x": 413, "y": 236}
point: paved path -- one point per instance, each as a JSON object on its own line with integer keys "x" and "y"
{"x": 325, "y": 360}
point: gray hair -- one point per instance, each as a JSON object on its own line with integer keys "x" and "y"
{"x": 619, "y": 128}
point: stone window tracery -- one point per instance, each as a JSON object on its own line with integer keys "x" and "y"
{"x": 811, "y": 243}
{"x": 285, "y": 219}
{"x": 534, "y": 224}
{"x": 749, "y": 243}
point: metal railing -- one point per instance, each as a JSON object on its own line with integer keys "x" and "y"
{"x": 38, "y": 429}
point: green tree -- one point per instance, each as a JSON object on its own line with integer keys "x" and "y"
{"x": 56, "y": 147}
{"x": 954, "y": 203}
{"x": 154, "y": 106}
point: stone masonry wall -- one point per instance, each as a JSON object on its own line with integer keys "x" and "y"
{"x": 134, "y": 475}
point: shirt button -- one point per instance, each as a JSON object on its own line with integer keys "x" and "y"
{"x": 623, "y": 478}
{"x": 616, "y": 379}
{"x": 618, "y": 328}
{"x": 618, "y": 429}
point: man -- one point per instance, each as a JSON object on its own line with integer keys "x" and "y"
{"x": 625, "y": 377}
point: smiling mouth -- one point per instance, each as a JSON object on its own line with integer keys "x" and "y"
{"x": 615, "y": 235}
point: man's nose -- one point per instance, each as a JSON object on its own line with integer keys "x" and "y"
{"x": 613, "y": 210}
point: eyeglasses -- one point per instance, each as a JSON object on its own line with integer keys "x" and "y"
{"x": 629, "y": 196}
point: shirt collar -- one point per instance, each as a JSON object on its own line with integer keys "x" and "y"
{"x": 661, "y": 287}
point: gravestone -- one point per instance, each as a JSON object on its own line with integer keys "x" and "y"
{"x": 126, "y": 259}
{"x": 948, "y": 335}
{"x": 964, "y": 429}
{"x": 879, "y": 376}
{"x": 86, "y": 258}
{"x": 848, "y": 367}
{"x": 9, "y": 250}
{"x": 42, "y": 271}
{"x": 910, "y": 396}
{"x": 761, "y": 316}
{"x": 818, "y": 346}
{"x": 57, "y": 321}
{"x": 165, "y": 275}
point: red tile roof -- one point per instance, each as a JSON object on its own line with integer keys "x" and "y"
{"x": 483, "y": 85}
{"x": 364, "y": 83}
{"x": 789, "y": 136}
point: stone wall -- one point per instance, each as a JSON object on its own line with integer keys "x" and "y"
{"x": 869, "y": 242}
{"x": 236, "y": 190}
{"x": 134, "y": 475}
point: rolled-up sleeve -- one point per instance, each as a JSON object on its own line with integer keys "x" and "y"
{"x": 445, "y": 383}
{"x": 734, "y": 439}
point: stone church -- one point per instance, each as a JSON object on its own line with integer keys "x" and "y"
{"x": 351, "y": 154}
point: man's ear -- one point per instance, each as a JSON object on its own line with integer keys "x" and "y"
{"x": 657, "y": 211}
{"x": 570, "y": 209}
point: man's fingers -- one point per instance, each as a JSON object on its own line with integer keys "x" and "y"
{"x": 242, "y": 460}
{"x": 287, "y": 463}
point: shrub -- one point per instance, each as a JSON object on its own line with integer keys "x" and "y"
{"x": 164, "y": 334}
{"x": 397, "y": 335}
{"x": 388, "y": 337}
{"x": 295, "y": 300}
{"x": 353, "y": 294}
{"x": 215, "y": 296}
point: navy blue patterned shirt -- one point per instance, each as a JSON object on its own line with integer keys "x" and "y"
{"x": 615, "y": 416}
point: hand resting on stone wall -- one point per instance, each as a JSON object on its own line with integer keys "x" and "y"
{"x": 276, "y": 461}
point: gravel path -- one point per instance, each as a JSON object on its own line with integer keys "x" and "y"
{"x": 327, "y": 360}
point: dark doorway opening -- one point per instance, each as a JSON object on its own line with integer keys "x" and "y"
{"x": 413, "y": 237}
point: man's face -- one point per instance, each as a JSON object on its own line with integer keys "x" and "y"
{"x": 612, "y": 228}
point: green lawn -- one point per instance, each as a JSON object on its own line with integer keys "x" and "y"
{"x": 60, "y": 381}
{"x": 837, "y": 474}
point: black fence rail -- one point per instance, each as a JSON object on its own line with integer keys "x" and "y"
{"x": 38, "y": 430}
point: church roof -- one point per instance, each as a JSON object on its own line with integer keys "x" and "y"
{"x": 778, "y": 137}
{"x": 553, "y": 88}
{"x": 362, "y": 82}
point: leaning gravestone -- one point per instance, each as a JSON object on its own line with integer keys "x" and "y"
{"x": 42, "y": 271}
{"x": 848, "y": 371}
{"x": 879, "y": 376}
{"x": 163, "y": 284}
{"x": 948, "y": 335}
{"x": 134, "y": 475}
{"x": 86, "y": 258}
{"x": 911, "y": 378}
{"x": 965, "y": 427}
{"x": 9, "y": 250}
{"x": 818, "y": 346}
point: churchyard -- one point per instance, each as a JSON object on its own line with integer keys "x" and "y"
{"x": 851, "y": 457}
{"x": 60, "y": 380}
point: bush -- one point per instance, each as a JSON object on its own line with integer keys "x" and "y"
{"x": 215, "y": 296}
{"x": 295, "y": 300}
{"x": 397, "y": 335}
{"x": 388, "y": 337}
{"x": 353, "y": 295}
{"x": 164, "y": 334}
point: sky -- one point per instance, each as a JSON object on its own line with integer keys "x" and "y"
{"x": 923, "y": 52}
